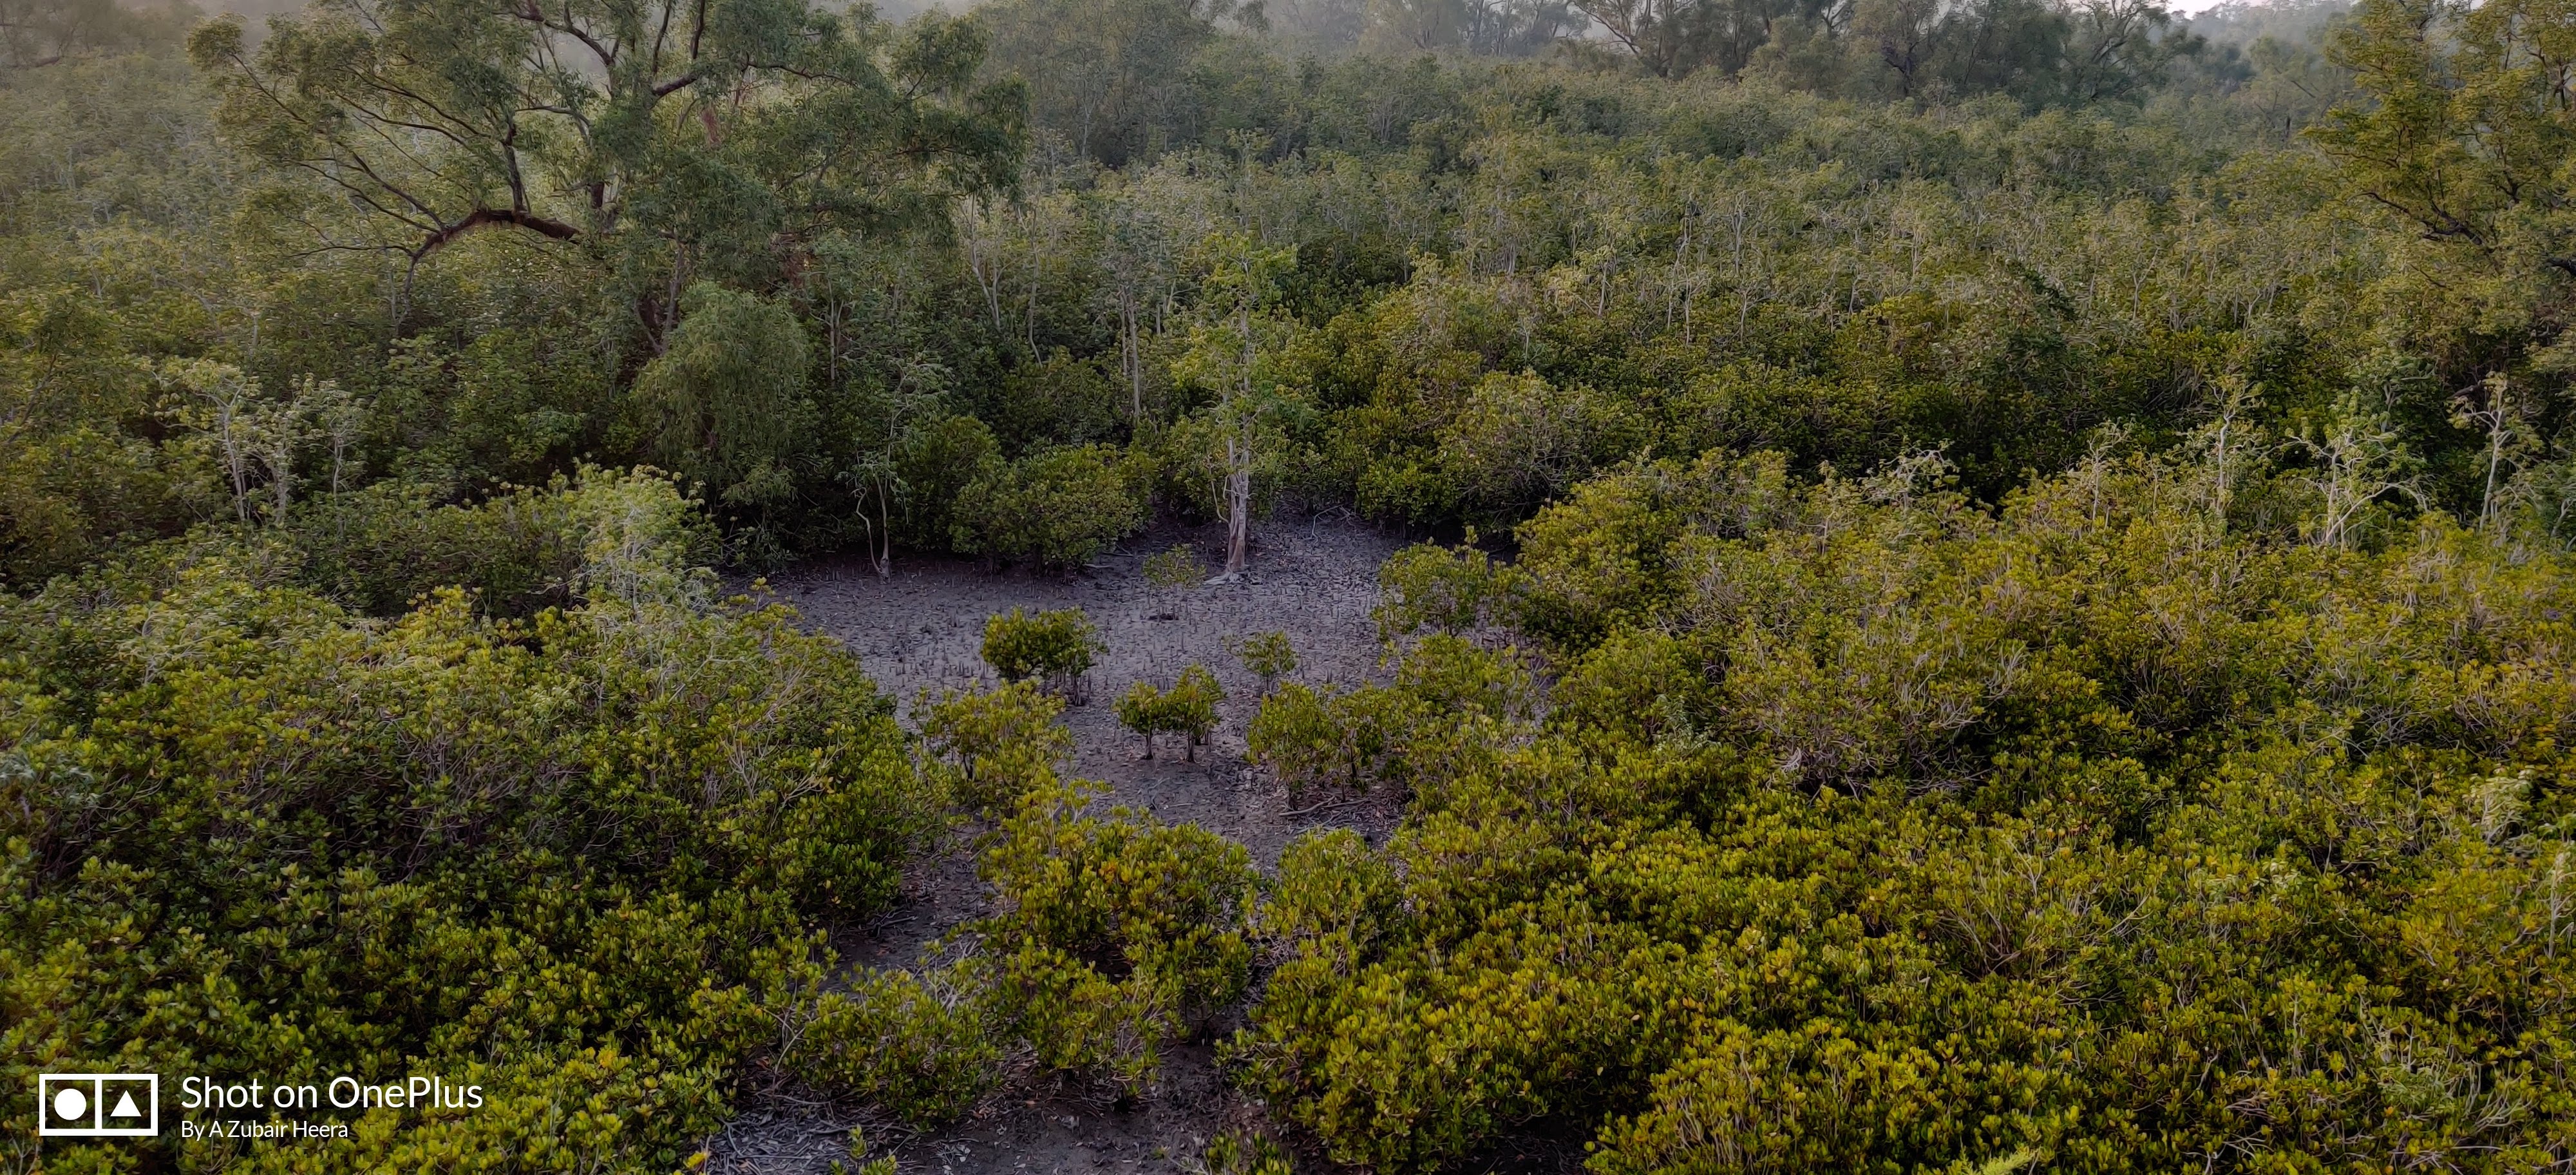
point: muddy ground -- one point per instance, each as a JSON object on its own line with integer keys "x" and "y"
{"x": 922, "y": 628}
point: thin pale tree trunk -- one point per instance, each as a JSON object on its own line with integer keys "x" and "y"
{"x": 1238, "y": 504}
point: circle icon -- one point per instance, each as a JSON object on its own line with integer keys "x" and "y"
{"x": 70, "y": 1103}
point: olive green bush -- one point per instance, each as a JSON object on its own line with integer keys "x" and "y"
{"x": 1310, "y": 736}
{"x": 921, "y": 1050}
{"x": 994, "y": 746}
{"x": 934, "y": 461}
{"x": 380, "y": 548}
{"x": 1268, "y": 655}
{"x": 1451, "y": 697}
{"x": 583, "y": 859}
{"x": 1187, "y": 709}
{"x": 1239, "y": 1153}
{"x": 1330, "y": 885}
{"x": 1117, "y": 934}
{"x": 1060, "y": 508}
{"x": 1176, "y": 566}
{"x": 1865, "y": 828}
{"x": 1055, "y": 647}
{"x": 1443, "y": 590}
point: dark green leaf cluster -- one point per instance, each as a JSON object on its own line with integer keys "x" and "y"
{"x": 1055, "y": 647}
{"x": 1060, "y": 508}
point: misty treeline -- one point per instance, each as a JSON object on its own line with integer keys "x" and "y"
{"x": 1996, "y": 594}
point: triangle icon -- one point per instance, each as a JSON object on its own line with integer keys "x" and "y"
{"x": 125, "y": 1107}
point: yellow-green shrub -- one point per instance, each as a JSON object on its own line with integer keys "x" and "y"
{"x": 1116, "y": 934}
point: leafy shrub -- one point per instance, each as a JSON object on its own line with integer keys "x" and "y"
{"x": 380, "y": 548}
{"x": 1601, "y": 556}
{"x": 1447, "y": 591}
{"x": 1116, "y": 933}
{"x": 1140, "y": 709}
{"x": 996, "y": 745}
{"x": 726, "y": 402}
{"x": 934, "y": 461}
{"x": 1330, "y": 884}
{"x": 1639, "y": 687}
{"x": 1269, "y": 656}
{"x": 586, "y": 843}
{"x": 1236, "y": 1152}
{"x": 1519, "y": 441}
{"x": 1522, "y": 1019}
{"x": 1176, "y": 566}
{"x": 1313, "y": 736}
{"x": 890, "y": 1040}
{"x": 1612, "y": 551}
{"x": 1763, "y": 1086}
{"x": 1854, "y": 800}
{"x": 1057, "y": 508}
{"x": 1187, "y": 709}
{"x": 1054, "y": 646}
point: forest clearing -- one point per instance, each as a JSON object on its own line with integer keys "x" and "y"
{"x": 1317, "y": 583}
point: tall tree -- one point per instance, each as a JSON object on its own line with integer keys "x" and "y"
{"x": 727, "y": 402}
{"x": 1226, "y": 358}
{"x": 712, "y": 139}
{"x": 2465, "y": 138}
{"x": 1104, "y": 74}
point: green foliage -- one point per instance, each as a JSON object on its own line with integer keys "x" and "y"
{"x": 725, "y": 403}
{"x": 72, "y": 484}
{"x": 1055, "y": 647}
{"x": 2453, "y": 117}
{"x": 1330, "y": 885}
{"x": 1238, "y": 1153}
{"x": 1606, "y": 554}
{"x": 1447, "y": 591}
{"x": 1101, "y": 72}
{"x": 2153, "y": 760}
{"x": 1313, "y": 737}
{"x": 1834, "y": 842}
{"x": 1117, "y": 935}
{"x": 1059, "y": 508}
{"x": 517, "y": 404}
{"x": 1433, "y": 292}
{"x": 1640, "y": 687}
{"x": 1187, "y": 709}
{"x": 584, "y": 859}
{"x": 935, "y": 462}
{"x": 1518, "y": 441}
{"x": 920, "y": 1050}
{"x": 704, "y": 135}
{"x": 1268, "y": 655}
{"x": 1176, "y": 566}
{"x": 39, "y": 33}
{"x": 381, "y": 547}
{"x": 997, "y": 746}
{"x": 1447, "y": 696}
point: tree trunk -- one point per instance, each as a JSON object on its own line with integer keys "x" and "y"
{"x": 885, "y": 534}
{"x": 1238, "y": 504}
{"x": 1135, "y": 356}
